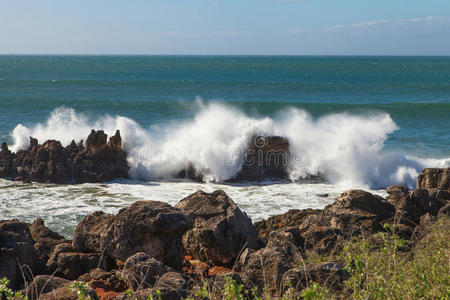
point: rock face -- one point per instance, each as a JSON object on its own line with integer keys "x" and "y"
{"x": 152, "y": 227}
{"x": 434, "y": 178}
{"x": 220, "y": 228}
{"x": 266, "y": 157}
{"x": 98, "y": 161}
{"x": 16, "y": 250}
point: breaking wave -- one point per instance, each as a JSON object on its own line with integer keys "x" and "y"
{"x": 343, "y": 148}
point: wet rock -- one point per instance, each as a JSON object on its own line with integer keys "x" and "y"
{"x": 6, "y": 162}
{"x": 16, "y": 251}
{"x": 141, "y": 271}
{"x": 264, "y": 267}
{"x": 51, "y": 162}
{"x": 220, "y": 229}
{"x": 152, "y": 227}
{"x": 266, "y": 157}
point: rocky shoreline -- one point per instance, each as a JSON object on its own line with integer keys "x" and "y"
{"x": 152, "y": 248}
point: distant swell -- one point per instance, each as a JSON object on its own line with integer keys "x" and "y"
{"x": 344, "y": 148}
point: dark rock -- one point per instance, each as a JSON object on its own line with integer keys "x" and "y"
{"x": 266, "y": 157}
{"x": 45, "y": 241}
{"x": 418, "y": 203}
{"x": 152, "y": 227}
{"x": 141, "y": 271}
{"x": 445, "y": 210}
{"x": 424, "y": 227}
{"x": 323, "y": 239}
{"x": 16, "y": 251}
{"x": 264, "y": 267}
{"x": 51, "y": 162}
{"x": 220, "y": 230}
{"x": 356, "y": 210}
{"x": 292, "y": 218}
{"x": 107, "y": 285}
{"x": 172, "y": 286}
{"x": 329, "y": 275}
{"x": 63, "y": 293}
{"x": 287, "y": 241}
{"x": 43, "y": 284}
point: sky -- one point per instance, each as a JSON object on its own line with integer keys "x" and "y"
{"x": 230, "y": 27}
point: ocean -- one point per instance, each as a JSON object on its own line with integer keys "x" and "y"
{"x": 358, "y": 122}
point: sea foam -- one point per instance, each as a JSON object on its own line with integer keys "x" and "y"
{"x": 345, "y": 149}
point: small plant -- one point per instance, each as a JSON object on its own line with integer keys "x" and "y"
{"x": 156, "y": 295}
{"x": 315, "y": 292}
{"x": 82, "y": 289}
{"x": 7, "y": 293}
{"x": 233, "y": 290}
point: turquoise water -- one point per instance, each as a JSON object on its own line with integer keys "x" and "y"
{"x": 415, "y": 91}
{"x": 363, "y": 122}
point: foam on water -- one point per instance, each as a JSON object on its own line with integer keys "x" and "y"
{"x": 343, "y": 148}
{"x": 62, "y": 207}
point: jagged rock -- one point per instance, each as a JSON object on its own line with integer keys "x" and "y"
{"x": 418, "y": 203}
{"x": 141, "y": 271}
{"x": 16, "y": 250}
{"x": 322, "y": 239}
{"x": 6, "y": 162}
{"x": 424, "y": 227}
{"x": 220, "y": 228}
{"x": 445, "y": 210}
{"x": 434, "y": 178}
{"x": 152, "y": 227}
{"x": 329, "y": 275}
{"x": 51, "y": 162}
{"x": 264, "y": 267}
{"x": 396, "y": 194}
{"x": 45, "y": 241}
{"x": 357, "y": 210}
{"x": 266, "y": 157}
{"x": 292, "y": 218}
{"x": 43, "y": 284}
{"x": 288, "y": 241}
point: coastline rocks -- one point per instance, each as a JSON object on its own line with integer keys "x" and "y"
{"x": 43, "y": 284}
{"x": 152, "y": 227}
{"x": 434, "y": 178}
{"x": 220, "y": 229}
{"x": 264, "y": 267}
{"x": 16, "y": 252}
{"x": 98, "y": 161}
{"x": 141, "y": 271}
{"x": 266, "y": 157}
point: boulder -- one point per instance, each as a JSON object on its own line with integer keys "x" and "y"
{"x": 16, "y": 252}
{"x": 356, "y": 210}
{"x": 6, "y": 162}
{"x": 141, "y": 271}
{"x": 152, "y": 227}
{"x": 220, "y": 229}
{"x": 64, "y": 292}
{"x": 434, "y": 178}
{"x": 424, "y": 227}
{"x": 329, "y": 275}
{"x": 266, "y": 157}
{"x": 264, "y": 268}
{"x": 107, "y": 285}
{"x": 172, "y": 286}
{"x": 418, "y": 203}
{"x": 43, "y": 284}
{"x": 45, "y": 241}
{"x": 292, "y": 218}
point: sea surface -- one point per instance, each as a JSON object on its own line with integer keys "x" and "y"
{"x": 358, "y": 122}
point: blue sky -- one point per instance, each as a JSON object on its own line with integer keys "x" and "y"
{"x": 305, "y": 27}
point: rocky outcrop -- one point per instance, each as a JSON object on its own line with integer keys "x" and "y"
{"x": 17, "y": 256}
{"x": 220, "y": 230}
{"x": 98, "y": 161}
{"x": 152, "y": 227}
{"x": 266, "y": 157}
{"x": 141, "y": 271}
{"x": 434, "y": 178}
